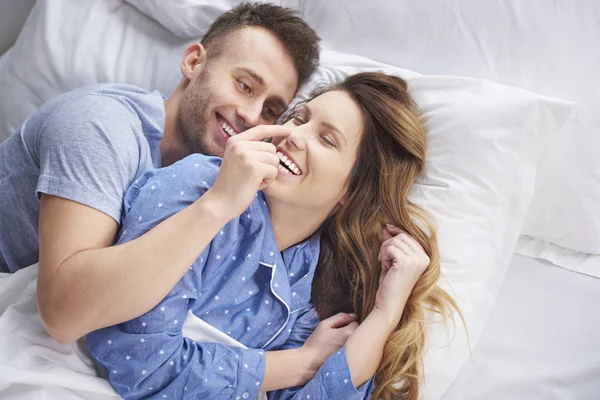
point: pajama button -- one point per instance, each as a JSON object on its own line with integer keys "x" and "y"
{"x": 245, "y": 395}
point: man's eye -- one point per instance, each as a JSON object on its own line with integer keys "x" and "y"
{"x": 244, "y": 87}
{"x": 270, "y": 113}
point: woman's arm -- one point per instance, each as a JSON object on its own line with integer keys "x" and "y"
{"x": 309, "y": 345}
{"x": 403, "y": 262}
{"x": 323, "y": 345}
{"x": 364, "y": 349}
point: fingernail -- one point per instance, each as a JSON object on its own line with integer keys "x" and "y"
{"x": 352, "y": 315}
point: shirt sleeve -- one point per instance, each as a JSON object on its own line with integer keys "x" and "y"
{"x": 333, "y": 380}
{"x": 149, "y": 356}
{"x": 89, "y": 152}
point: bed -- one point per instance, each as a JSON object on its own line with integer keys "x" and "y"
{"x": 538, "y": 344}
{"x": 520, "y": 241}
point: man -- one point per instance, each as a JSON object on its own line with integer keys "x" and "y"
{"x": 72, "y": 160}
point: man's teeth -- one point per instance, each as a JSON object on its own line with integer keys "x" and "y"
{"x": 289, "y": 163}
{"x": 228, "y": 129}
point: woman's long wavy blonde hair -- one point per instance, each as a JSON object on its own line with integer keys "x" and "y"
{"x": 390, "y": 157}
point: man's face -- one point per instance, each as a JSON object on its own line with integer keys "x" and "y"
{"x": 249, "y": 83}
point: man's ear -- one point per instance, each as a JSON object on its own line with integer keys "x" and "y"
{"x": 194, "y": 59}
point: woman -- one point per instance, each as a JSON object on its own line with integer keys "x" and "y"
{"x": 343, "y": 173}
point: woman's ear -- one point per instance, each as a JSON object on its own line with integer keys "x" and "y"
{"x": 342, "y": 202}
{"x": 194, "y": 59}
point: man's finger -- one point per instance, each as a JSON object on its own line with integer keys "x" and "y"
{"x": 265, "y": 184}
{"x": 266, "y": 158}
{"x": 266, "y": 172}
{"x": 263, "y": 132}
{"x": 339, "y": 320}
{"x": 349, "y": 329}
{"x": 260, "y": 146}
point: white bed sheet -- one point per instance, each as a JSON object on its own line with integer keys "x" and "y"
{"x": 542, "y": 341}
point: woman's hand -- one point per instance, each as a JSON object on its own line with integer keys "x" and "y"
{"x": 249, "y": 165}
{"x": 403, "y": 261}
{"x": 330, "y": 335}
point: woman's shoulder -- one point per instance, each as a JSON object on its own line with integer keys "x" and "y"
{"x": 197, "y": 162}
{"x": 193, "y": 170}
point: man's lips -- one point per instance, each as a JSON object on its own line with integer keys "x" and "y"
{"x": 228, "y": 128}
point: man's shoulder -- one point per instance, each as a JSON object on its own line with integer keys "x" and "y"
{"x": 95, "y": 112}
{"x": 100, "y": 98}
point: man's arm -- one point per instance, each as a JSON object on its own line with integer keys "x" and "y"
{"x": 84, "y": 284}
{"x": 81, "y": 278}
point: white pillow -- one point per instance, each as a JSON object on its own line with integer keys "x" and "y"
{"x": 484, "y": 143}
{"x": 188, "y": 18}
{"x": 66, "y": 44}
{"x": 550, "y": 47}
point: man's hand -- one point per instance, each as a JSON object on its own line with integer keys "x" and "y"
{"x": 330, "y": 335}
{"x": 249, "y": 165}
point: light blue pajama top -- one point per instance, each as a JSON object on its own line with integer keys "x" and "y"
{"x": 241, "y": 284}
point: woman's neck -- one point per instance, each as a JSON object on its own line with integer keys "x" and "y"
{"x": 292, "y": 225}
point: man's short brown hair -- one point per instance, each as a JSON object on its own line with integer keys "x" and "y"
{"x": 299, "y": 39}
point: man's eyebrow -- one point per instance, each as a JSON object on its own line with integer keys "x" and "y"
{"x": 279, "y": 101}
{"x": 254, "y": 75}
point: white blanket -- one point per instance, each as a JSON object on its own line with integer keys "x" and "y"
{"x": 34, "y": 366}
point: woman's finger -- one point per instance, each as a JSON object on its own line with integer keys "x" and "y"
{"x": 405, "y": 236}
{"x": 404, "y": 246}
{"x": 391, "y": 253}
{"x": 393, "y": 229}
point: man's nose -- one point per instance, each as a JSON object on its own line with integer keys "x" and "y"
{"x": 250, "y": 113}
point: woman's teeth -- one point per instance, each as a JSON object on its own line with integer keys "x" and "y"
{"x": 288, "y": 165}
{"x": 228, "y": 129}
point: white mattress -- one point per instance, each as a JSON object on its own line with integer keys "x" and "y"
{"x": 542, "y": 340}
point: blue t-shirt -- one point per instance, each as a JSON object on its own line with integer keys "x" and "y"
{"x": 86, "y": 145}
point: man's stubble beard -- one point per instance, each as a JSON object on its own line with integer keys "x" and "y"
{"x": 194, "y": 117}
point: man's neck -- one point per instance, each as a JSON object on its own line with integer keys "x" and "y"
{"x": 171, "y": 149}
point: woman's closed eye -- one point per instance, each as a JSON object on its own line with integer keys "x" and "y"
{"x": 328, "y": 141}
{"x": 299, "y": 119}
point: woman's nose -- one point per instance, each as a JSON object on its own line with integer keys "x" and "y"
{"x": 297, "y": 139}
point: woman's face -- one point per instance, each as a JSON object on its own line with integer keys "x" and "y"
{"x": 316, "y": 159}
